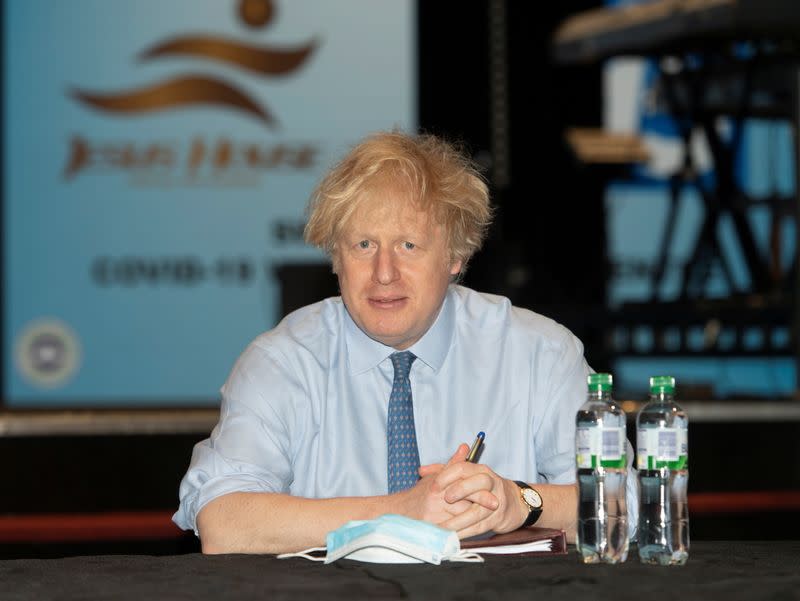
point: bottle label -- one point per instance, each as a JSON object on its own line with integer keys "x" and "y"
{"x": 662, "y": 447}
{"x": 600, "y": 447}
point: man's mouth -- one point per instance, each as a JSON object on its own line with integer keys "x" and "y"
{"x": 387, "y": 302}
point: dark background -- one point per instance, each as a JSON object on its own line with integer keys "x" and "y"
{"x": 548, "y": 205}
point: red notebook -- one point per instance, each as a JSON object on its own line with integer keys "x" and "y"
{"x": 532, "y": 540}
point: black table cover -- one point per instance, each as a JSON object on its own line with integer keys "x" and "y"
{"x": 725, "y": 570}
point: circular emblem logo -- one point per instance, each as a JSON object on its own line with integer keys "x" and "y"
{"x": 47, "y": 353}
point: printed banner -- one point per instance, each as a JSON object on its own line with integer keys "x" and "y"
{"x": 158, "y": 156}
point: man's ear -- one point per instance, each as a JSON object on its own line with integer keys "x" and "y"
{"x": 455, "y": 267}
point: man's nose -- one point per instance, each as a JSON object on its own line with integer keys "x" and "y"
{"x": 385, "y": 267}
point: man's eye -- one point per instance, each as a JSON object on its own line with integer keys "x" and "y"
{"x": 409, "y": 245}
{"x": 364, "y": 244}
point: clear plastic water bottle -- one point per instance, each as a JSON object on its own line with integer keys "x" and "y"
{"x": 662, "y": 453}
{"x": 601, "y": 454}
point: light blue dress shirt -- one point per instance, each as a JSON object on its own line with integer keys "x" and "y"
{"x": 304, "y": 408}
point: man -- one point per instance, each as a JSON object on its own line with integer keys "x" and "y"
{"x": 310, "y": 435}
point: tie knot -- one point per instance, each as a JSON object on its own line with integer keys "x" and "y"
{"x": 402, "y": 362}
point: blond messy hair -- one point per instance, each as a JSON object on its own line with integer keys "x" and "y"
{"x": 436, "y": 175}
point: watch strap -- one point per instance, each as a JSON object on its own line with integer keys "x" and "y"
{"x": 534, "y": 512}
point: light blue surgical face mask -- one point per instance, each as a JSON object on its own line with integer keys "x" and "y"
{"x": 390, "y": 538}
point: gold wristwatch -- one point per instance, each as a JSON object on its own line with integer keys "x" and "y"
{"x": 533, "y": 500}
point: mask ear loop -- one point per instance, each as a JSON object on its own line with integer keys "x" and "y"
{"x": 468, "y": 556}
{"x": 306, "y": 554}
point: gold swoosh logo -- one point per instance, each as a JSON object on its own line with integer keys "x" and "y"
{"x": 261, "y": 60}
{"x": 174, "y": 93}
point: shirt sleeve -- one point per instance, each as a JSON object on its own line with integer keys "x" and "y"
{"x": 559, "y": 383}
{"x": 250, "y": 448}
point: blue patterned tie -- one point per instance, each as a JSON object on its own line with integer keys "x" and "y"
{"x": 403, "y": 454}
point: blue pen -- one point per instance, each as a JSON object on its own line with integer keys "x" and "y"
{"x": 476, "y": 446}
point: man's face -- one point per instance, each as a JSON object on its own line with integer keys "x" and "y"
{"x": 394, "y": 268}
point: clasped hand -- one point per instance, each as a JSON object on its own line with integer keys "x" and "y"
{"x": 466, "y": 497}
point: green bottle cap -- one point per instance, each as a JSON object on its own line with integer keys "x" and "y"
{"x": 661, "y": 384}
{"x": 601, "y": 382}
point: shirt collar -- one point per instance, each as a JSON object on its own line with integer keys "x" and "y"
{"x": 364, "y": 353}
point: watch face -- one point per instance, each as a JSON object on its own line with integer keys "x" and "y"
{"x": 532, "y": 497}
